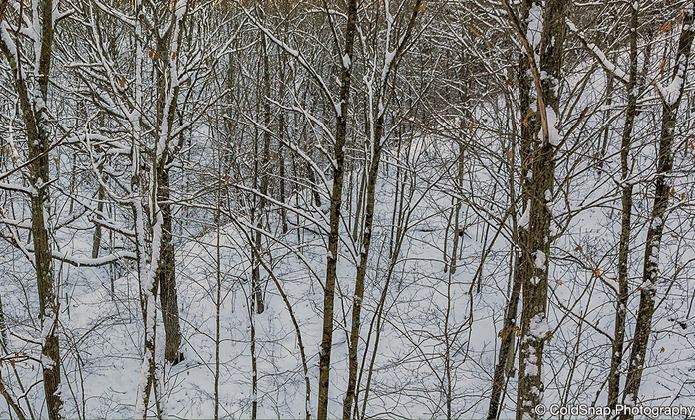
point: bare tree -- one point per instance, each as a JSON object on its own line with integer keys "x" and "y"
{"x": 31, "y": 78}
{"x": 543, "y": 43}
{"x": 671, "y": 96}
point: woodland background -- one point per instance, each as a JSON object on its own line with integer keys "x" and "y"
{"x": 356, "y": 208}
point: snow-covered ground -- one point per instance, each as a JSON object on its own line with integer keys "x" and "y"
{"x": 432, "y": 319}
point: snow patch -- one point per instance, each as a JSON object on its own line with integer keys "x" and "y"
{"x": 554, "y": 137}
{"x": 539, "y": 260}
{"x": 535, "y": 26}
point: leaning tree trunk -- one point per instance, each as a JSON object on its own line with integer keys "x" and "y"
{"x": 376, "y": 134}
{"x": 671, "y": 102}
{"x": 334, "y": 213}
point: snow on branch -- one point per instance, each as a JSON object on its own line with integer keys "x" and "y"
{"x": 608, "y": 65}
{"x": 79, "y": 261}
{"x": 297, "y": 56}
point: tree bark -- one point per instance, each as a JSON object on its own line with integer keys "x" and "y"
{"x": 39, "y": 145}
{"x": 528, "y": 127}
{"x": 535, "y": 250}
{"x": 662, "y": 193}
{"x": 167, "y": 105}
{"x": 334, "y": 214}
{"x": 625, "y": 220}
{"x": 166, "y": 275}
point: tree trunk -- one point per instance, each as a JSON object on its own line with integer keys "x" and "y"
{"x": 625, "y": 220}
{"x": 527, "y": 128}
{"x": 38, "y": 139}
{"x": 334, "y": 214}
{"x": 360, "y": 277}
{"x": 662, "y": 193}
{"x": 281, "y": 155}
{"x": 167, "y": 106}
{"x": 535, "y": 250}
{"x": 376, "y": 133}
{"x": 166, "y": 276}
{"x": 96, "y": 243}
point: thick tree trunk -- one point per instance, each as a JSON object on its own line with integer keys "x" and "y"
{"x": 38, "y": 139}
{"x": 38, "y": 148}
{"x": 48, "y": 304}
{"x": 166, "y": 276}
{"x": 167, "y": 106}
{"x": 535, "y": 250}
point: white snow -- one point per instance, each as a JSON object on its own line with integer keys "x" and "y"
{"x": 554, "y": 136}
{"x": 535, "y": 25}
{"x": 539, "y": 259}
{"x": 538, "y": 326}
{"x": 598, "y": 54}
{"x": 524, "y": 219}
{"x": 673, "y": 91}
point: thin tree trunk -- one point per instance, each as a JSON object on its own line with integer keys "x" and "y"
{"x": 377, "y": 132}
{"x": 625, "y": 221}
{"x": 657, "y": 220}
{"x": 96, "y": 243}
{"x": 359, "y": 280}
{"x": 254, "y": 360}
{"x": 11, "y": 402}
{"x": 218, "y": 293}
{"x": 334, "y": 213}
{"x": 281, "y": 156}
{"x": 265, "y": 166}
{"x": 377, "y": 320}
{"x": 527, "y": 128}
{"x": 457, "y": 214}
